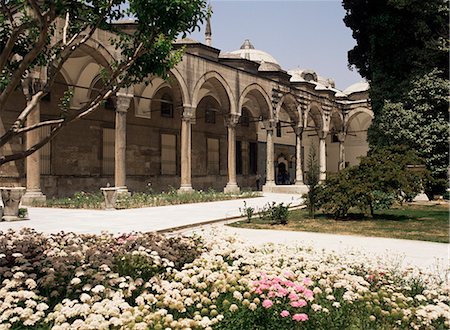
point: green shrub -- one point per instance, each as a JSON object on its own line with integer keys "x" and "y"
{"x": 312, "y": 181}
{"x": 377, "y": 182}
{"x": 276, "y": 214}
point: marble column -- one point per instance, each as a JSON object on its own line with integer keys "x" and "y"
{"x": 186, "y": 150}
{"x": 231, "y": 121}
{"x": 120, "y": 173}
{"x": 341, "y": 139}
{"x": 298, "y": 155}
{"x": 270, "y": 175}
{"x": 322, "y": 156}
{"x": 31, "y": 85}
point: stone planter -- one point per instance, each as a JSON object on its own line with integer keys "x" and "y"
{"x": 110, "y": 194}
{"x": 11, "y": 197}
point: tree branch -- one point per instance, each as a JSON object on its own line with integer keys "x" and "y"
{"x": 41, "y": 124}
{"x": 21, "y": 118}
{"x": 34, "y": 148}
{"x": 24, "y": 65}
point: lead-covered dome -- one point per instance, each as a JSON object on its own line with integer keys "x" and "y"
{"x": 359, "y": 87}
{"x": 249, "y": 52}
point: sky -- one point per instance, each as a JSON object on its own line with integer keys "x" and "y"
{"x": 297, "y": 33}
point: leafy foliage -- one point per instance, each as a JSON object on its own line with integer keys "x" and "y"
{"x": 396, "y": 41}
{"x": 276, "y": 214}
{"x": 88, "y": 200}
{"x": 402, "y": 50}
{"x": 381, "y": 178}
{"x": 312, "y": 181}
{"x": 38, "y": 37}
{"x": 421, "y": 123}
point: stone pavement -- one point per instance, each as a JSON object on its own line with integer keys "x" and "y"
{"x": 427, "y": 256}
{"x": 52, "y": 220}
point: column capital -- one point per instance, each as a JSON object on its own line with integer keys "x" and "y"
{"x": 188, "y": 113}
{"x": 322, "y": 134}
{"x": 231, "y": 120}
{"x": 341, "y": 136}
{"x": 34, "y": 81}
{"x": 269, "y": 124}
{"x": 123, "y": 101}
{"x": 298, "y": 130}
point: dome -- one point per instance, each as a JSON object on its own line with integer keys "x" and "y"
{"x": 298, "y": 75}
{"x": 361, "y": 86}
{"x": 249, "y": 52}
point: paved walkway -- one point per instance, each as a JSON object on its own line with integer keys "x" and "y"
{"x": 52, "y": 220}
{"x": 428, "y": 256}
{"x": 424, "y": 255}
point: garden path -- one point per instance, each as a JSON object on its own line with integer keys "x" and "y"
{"x": 52, "y": 220}
{"x": 427, "y": 256}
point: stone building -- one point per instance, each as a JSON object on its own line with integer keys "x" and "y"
{"x": 221, "y": 120}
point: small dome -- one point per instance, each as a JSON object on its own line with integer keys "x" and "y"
{"x": 361, "y": 86}
{"x": 298, "y": 75}
{"x": 249, "y": 52}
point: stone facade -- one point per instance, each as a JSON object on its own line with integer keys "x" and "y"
{"x": 220, "y": 121}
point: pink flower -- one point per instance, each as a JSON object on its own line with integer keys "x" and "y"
{"x": 300, "y": 317}
{"x": 267, "y": 303}
{"x": 307, "y": 281}
{"x": 284, "y": 313}
{"x": 299, "y": 303}
{"x": 308, "y": 293}
{"x": 293, "y": 296}
{"x": 299, "y": 288}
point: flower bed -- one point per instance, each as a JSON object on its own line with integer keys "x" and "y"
{"x": 148, "y": 281}
{"x": 140, "y": 199}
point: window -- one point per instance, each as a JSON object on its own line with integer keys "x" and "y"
{"x": 334, "y": 138}
{"x": 245, "y": 118}
{"x": 252, "y": 158}
{"x": 278, "y": 129}
{"x": 213, "y": 155}
{"x": 44, "y": 131}
{"x": 168, "y": 154}
{"x": 238, "y": 157}
{"x": 108, "y": 151}
{"x": 210, "y": 115}
{"x": 166, "y": 106}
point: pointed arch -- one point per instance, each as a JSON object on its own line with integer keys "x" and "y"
{"x": 186, "y": 97}
{"x": 291, "y": 107}
{"x": 256, "y": 88}
{"x": 213, "y": 75}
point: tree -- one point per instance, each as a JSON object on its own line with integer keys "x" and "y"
{"x": 312, "y": 181}
{"x": 381, "y": 178}
{"x": 397, "y": 40}
{"x": 402, "y": 50}
{"x": 40, "y": 36}
{"x": 421, "y": 123}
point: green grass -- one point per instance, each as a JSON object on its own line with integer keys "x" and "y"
{"x": 416, "y": 222}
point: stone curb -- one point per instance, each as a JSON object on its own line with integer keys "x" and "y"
{"x": 181, "y": 229}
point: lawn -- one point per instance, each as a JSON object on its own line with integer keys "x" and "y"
{"x": 410, "y": 221}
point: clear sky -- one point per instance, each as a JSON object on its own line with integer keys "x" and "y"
{"x": 305, "y": 34}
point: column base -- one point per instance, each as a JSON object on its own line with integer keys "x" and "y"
{"x": 268, "y": 186}
{"x": 231, "y": 188}
{"x": 122, "y": 190}
{"x": 286, "y": 189}
{"x": 185, "y": 188}
{"x": 31, "y": 196}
